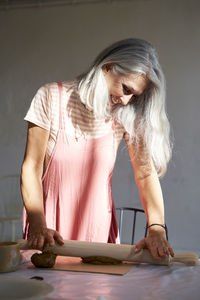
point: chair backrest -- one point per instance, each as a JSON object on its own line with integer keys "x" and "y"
{"x": 122, "y": 214}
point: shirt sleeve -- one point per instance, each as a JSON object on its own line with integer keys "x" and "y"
{"x": 39, "y": 111}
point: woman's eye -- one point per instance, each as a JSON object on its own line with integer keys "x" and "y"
{"x": 126, "y": 90}
{"x": 133, "y": 97}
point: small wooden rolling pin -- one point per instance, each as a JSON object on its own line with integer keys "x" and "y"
{"x": 118, "y": 251}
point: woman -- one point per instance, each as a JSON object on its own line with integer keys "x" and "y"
{"x": 74, "y": 131}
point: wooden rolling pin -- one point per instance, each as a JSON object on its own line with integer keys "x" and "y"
{"x": 117, "y": 251}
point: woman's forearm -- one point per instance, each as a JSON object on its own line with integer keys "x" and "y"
{"x": 32, "y": 192}
{"x": 152, "y": 198}
{"x": 31, "y": 188}
{"x": 148, "y": 185}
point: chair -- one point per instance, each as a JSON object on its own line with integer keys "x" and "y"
{"x": 134, "y": 211}
{"x": 10, "y": 207}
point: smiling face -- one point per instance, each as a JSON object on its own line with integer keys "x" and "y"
{"x": 124, "y": 88}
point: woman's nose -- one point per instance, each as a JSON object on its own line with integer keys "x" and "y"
{"x": 125, "y": 99}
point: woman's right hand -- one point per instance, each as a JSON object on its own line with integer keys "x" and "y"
{"x": 40, "y": 238}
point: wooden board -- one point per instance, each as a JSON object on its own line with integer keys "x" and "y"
{"x": 74, "y": 264}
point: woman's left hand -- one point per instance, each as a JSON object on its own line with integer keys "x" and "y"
{"x": 156, "y": 242}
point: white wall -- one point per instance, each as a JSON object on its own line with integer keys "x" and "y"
{"x": 51, "y": 44}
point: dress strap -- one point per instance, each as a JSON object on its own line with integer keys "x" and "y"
{"x": 114, "y": 134}
{"x": 61, "y": 121}
{"x": 114, "y": 124}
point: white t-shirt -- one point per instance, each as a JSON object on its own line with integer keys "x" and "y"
{"x": 79, "y": 122}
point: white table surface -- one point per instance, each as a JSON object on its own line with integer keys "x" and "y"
{"x": 143, "y": 282}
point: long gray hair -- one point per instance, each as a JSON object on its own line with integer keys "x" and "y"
{"x": 144, "y": 118}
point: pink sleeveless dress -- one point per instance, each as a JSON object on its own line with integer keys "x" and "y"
{"x": 77, "y": 187}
